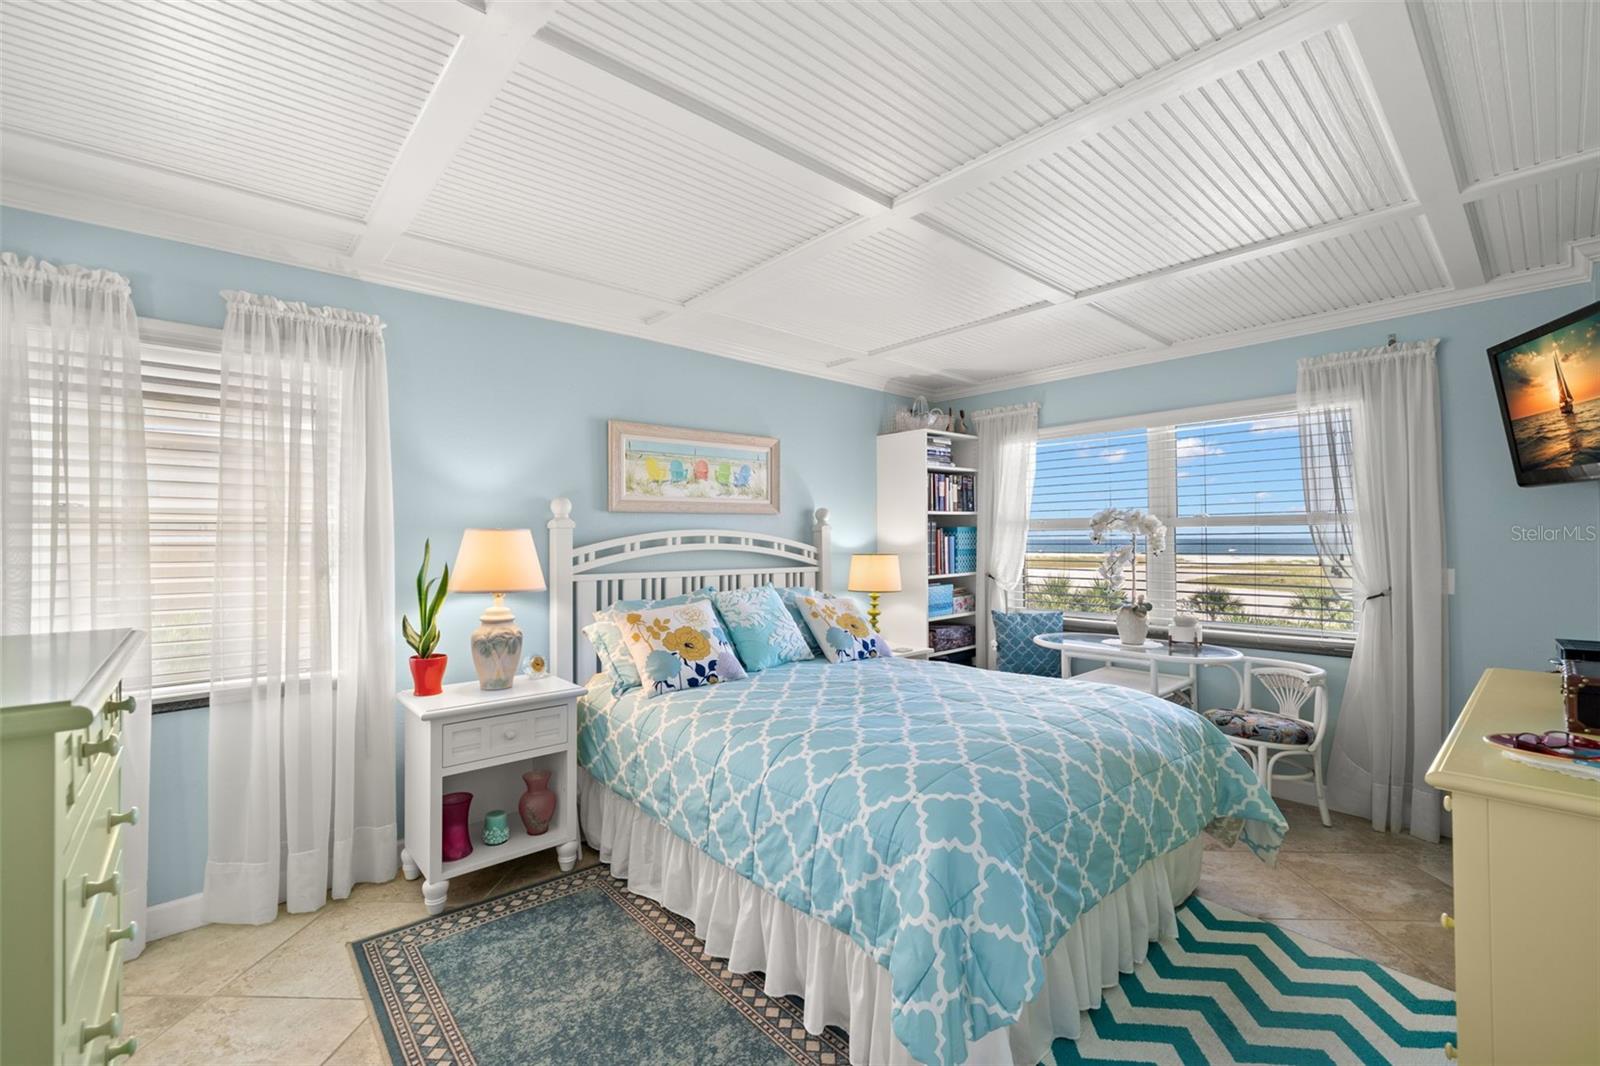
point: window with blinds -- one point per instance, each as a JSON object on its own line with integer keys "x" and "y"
{"x": 1230, "y": 492}
{"x": 182, "y": 397}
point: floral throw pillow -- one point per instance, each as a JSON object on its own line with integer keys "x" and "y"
{"x": 764, "y": 633}
{"x": 612, "y": 646}
{"x": 679, "y": 647}
{"x": 841, "y": 628}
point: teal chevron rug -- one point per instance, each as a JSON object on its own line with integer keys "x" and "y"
{"x": 579, "y": 970}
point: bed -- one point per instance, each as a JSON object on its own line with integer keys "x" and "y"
{"x": 948, "y": 863}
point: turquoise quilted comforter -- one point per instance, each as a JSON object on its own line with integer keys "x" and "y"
{"x": 953, "y": 822}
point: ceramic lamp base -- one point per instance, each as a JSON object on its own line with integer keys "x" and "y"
{"x": 496, "y": 648}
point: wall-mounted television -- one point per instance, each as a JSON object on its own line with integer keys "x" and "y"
{"x": 1548, "y": 380}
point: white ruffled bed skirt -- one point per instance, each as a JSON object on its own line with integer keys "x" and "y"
{"x": 841, "y": 984}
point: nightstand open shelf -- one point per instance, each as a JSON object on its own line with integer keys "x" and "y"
{"x": 499, "y": 787}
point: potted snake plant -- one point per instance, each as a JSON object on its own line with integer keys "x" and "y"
{"x": 427, "y": 669}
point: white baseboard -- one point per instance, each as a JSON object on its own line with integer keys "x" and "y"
{"x": 174, "y": 916}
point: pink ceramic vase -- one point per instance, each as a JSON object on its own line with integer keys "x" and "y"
{"x": 454, "y": 840}
{"x": 538, "y": 804}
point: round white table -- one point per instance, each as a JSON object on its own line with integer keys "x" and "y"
{"x": 1141, "y": 666}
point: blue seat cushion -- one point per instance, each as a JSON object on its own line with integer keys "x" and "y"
{"x": 1016, "y": 653}
{"x": 1261, "y": 725}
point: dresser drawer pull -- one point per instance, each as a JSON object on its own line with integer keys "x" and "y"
{"x": 1447, "y": 801}
{"x": 127, "y": 932}
{"x": 122, "y": 1050}
{"x": 94, "y": 888}
{"x": 87, "y": 1034}
{"x": 1450, "y": 1051}
{"x": 104, "y": 746}
{"x": 1447, "y": 921}
{"x": 115, "y": 818}
{"x": 125, "y": 705}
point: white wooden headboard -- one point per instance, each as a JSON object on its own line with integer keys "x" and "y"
{"x": 587, "y": 579}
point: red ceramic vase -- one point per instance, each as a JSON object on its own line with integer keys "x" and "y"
{"x": 427, "y": 674}
{"x": 454, "y": 840}
{"x": 538, "y": 804}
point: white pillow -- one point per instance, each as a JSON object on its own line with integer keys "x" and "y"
{"x": 841, "y": 629}
{"x": 679, "y": 647}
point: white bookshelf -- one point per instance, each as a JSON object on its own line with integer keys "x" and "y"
{"x": 903, "y": 517}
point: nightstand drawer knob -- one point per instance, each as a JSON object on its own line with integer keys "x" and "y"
{"x": 122, "y": 1050}
{"x": 104, "y": 746}
{"x": 1450, "y": 1051}
{"x": 1447, "y": 921}
{"x": 92, "y": 889}
{"x": 87, "y": 1033}
{"x": 510, "y": 734}
{"x": 127, "y": 817}
{"x": 127, "y": 932}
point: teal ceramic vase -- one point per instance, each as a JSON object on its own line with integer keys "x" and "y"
{"x": 496, "y": 830}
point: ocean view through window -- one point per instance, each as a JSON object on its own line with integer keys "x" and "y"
{"x": 1240, "y": 553}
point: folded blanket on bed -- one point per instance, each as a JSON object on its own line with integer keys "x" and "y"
{"x": 953, "y": 822}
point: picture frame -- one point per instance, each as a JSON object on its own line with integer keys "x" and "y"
{"x": 690, "y": 471}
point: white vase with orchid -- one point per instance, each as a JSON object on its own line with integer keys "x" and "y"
{"x": 1121, "y": 565}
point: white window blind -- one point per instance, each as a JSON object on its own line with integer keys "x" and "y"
{"x": 1229, "y": 491}
{"x": 182, "y": 395}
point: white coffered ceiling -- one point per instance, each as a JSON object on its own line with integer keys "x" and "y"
{"x": 938, "y": 196}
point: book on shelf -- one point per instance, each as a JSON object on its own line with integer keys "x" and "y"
{"x": 952, "y": 549}
{"x": 951, "y": 492}
{"x": 941, "y": 450}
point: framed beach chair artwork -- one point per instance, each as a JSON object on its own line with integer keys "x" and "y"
{"x": 662, "y": 468}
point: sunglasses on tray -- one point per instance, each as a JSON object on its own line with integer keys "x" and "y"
{"x": 1558, "y": 742}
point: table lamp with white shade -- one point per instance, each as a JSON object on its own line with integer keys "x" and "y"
{"x": 874, "y": 573}
{"x": 497, "y": 561}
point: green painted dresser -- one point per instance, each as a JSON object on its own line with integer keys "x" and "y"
{"x": 61, "y": 925}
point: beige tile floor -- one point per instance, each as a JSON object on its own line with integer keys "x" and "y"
{"x": 287, "y": 992}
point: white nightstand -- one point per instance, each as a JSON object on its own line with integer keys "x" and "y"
{"x": 912, "y": 653}
{"x": 469, "y": 740}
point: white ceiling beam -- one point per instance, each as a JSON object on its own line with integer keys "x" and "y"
{"x": 1394, "y": 67}
{"x": 584, "y": 68}
{"x": 1553, "y": 169}
{"x": 1277, "y": 30}
{"x": 483, "y": 60}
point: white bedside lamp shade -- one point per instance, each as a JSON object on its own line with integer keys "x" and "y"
{"x": 874, "y": 573}
{"x": 497, "y": 561}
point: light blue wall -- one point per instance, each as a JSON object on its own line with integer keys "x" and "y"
{"x": 492, "y": 414}
{"x": 1513, "y": 597}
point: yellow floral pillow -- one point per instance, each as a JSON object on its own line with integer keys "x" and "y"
{"x": 678, "y": 647}
{"x": 841, "y": 628}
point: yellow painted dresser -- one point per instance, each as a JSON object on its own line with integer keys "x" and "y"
{"x": 61, "y": 925}
{"x": 1527, "y": 884}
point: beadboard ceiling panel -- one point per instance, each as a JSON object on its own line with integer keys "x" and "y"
{"x": 1289, "y": 142}
{"x": 557, "y": 178}
{"x": 1520, "y": 79}
{"x": 928, "y": 195}
{"x": 1059, "y": 336}
{"x": 895, "y": 95}
{"x": 1393, "y": 261}
{"x": 300, "y": 101}
{"x": 1534, "y": 226}
{"x": 893, "y": 286}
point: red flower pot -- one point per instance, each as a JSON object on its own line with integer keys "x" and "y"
{"x": 427, "y": 674}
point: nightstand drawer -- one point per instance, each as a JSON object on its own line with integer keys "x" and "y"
{"x": 504, "y": 734}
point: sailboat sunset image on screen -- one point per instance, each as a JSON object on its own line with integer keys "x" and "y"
{"x": 1549, "y": 386}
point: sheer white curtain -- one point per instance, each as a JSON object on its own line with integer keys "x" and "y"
{"x": 1006, "y": 439}
{"x": 1369, "y": 424}
{"x": 302, "y": 757}
{"x": 75, "y": 501}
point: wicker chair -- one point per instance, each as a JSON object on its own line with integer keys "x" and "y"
{"x": 1266, "y": 737}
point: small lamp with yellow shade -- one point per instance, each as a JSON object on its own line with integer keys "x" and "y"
{"x": 497, "y": 561}
{"x": 874, "y": 573}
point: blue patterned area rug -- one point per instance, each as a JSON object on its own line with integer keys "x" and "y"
{"x": 579, "y": 970}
